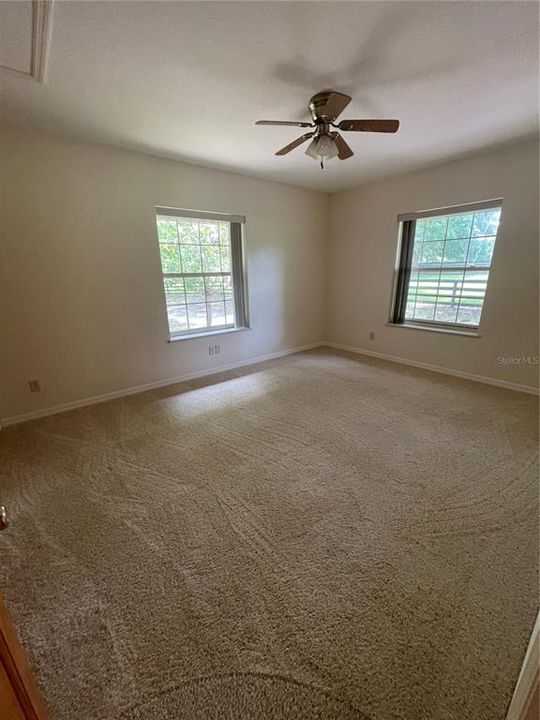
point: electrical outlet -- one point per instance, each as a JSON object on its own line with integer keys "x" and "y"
{"x": 34, "y": 386}
{"x": 217, "y": 348}
{"x": 210, "y": 349}
{"x": 372, "y": 336}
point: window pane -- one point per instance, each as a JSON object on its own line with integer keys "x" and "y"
{"x": 435, "y": 228}
{"x": 469, "y": 315}
{"x": 449, "y": 286}
{"x": 191, "y": 258}
{"x": 481, "y": 251}
{"x": 177, "y": 318}
{"x": 210, "y": 258}
{"x": 420, "y": 230}
{"x": 174, "y": 290}
{"x": 224, "y": 233}
{"x": 225, "y": 258}
{"x": 427, "y": 285}
{"x": 195, "y": 290}
{"x": 213, "y": 288}
{"x": 455, "y": 252}
{"x": 188, "y": 231}
{"x": 229, "y": 312}
{"x": 486, "y": 222}
{"x": 447, "y": 291}
{"x": 424, "y": 310}
{"x": 197, "y": 316}
{"x": 445, "y": 312}
{"x": 474, "y": 285}
{"x": 432, "y": 253}
{"x": 166, "y": 228}
{"x": 209, "y": 233}
{"x": 417, "y": 253}
{"x": 471, "y": 297}
{"x": 216, "y": 314}
{"x": 459, "y": 226}
{"x": 170, "y": 258}
{"x": 227, "y": 287}
{"x": 426, "y": 296}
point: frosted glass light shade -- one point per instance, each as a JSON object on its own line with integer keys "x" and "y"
{"x": 326, "y": 147}
{"x": 312, "y": 149}
{"x": 322, "y": 146}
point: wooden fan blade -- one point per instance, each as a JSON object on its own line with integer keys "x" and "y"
{"x": 283, "y": 122}
{"x": 387, "y": 126}
{"x": 337, "y": 102}
{"x": 295, "y": 144}
{"x": 344, "y": 151}
{"x": 328, "y": 104}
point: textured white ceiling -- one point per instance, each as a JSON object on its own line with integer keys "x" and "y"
{"x": 189, "y": 79}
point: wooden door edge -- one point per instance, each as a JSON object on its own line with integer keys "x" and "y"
{"x": 17, "y": 670}
{"x": 528, "y": 678}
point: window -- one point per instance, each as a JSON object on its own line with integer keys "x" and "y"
{"x": 444, "y": 263}
{"x": 203, "y": 271}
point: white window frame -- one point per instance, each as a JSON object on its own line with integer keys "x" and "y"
{"x": 238, "y": 272}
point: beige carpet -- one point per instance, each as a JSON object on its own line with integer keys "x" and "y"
{"x": 321, "y": 536}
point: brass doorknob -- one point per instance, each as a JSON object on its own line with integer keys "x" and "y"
{"x": 4, "y": 522}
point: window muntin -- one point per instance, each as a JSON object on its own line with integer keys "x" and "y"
{"x": 202, "y": 266}
{"x": 444, "y": 268}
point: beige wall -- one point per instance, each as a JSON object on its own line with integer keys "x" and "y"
{"x": 363, "y": 239}
{"x": 82, "y": 306}
{"x": 82, "y": 302}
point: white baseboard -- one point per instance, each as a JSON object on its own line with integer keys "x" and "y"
{"x": 438, "y": 369}
{"x": 527, "y": 677}
{"x": 43, "y": 412}
{"x": 53, "y": 410}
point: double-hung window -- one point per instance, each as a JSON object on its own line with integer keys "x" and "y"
{"x": 444, "y": 263}
{"x": 203, "y": 271}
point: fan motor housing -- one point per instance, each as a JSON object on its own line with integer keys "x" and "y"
{"x": 318, "y": 106}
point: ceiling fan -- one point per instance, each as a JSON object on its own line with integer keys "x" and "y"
{"x": 325, "y": 107}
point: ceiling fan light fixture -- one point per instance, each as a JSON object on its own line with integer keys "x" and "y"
{"x": 326, "y": 147}
{"x": 312, "y": 149}
{"x": 322, "y": 147}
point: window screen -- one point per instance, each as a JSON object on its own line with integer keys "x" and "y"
{"x": 203, "y": 274}
{"x": 444, "y": 266}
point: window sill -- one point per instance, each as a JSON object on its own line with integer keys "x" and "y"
{"x": 207, "y": 333}
{"x": 472, "y": 333}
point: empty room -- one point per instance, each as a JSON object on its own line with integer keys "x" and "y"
{"x": 269, "y": 360}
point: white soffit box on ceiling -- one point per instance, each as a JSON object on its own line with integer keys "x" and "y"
{"x": 24, "y": 36}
